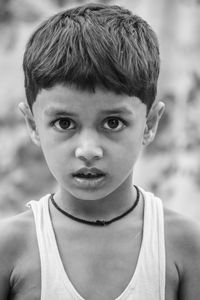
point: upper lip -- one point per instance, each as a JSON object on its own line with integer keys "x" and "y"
{"x": 86, "y": 171}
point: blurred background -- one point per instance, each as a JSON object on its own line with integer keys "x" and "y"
{"x": 170, "y": 167}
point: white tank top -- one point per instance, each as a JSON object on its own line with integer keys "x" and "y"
{"x": 148, "y": 280}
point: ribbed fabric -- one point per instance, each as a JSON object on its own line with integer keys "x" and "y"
{"x": 148, "y": 281}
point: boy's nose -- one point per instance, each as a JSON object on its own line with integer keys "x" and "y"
{"x": 88, "y": 150}
{"x": 88, "y": 154}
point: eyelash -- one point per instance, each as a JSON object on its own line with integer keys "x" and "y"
{"x": 53, "y": 124}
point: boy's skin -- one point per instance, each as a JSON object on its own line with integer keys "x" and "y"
{"x": 92, "y": 255}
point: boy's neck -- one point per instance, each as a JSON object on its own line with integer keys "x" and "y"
{"x": 107, "y": 208}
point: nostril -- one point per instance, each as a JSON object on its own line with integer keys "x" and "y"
{"x": 88, "y": 154}
{"x": 88, "y": 158}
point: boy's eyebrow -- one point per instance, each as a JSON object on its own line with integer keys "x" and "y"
{"x": 53, "y": 111}
{"x": 118, "y": 110}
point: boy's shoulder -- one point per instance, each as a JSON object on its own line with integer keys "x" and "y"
{"x": 182, "y": 238}
{"x": 183, "y": 227}
{"x": 14, "y": 235}
{"x": 17, "y": 241}
{"x": 182, "y": 244}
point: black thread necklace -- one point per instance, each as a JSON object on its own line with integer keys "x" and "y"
{"x": 97, "y": 222}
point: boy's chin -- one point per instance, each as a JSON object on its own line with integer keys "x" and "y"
{"x": 89, "y": 195}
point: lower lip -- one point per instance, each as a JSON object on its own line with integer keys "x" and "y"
{"x": 91, "y": 183}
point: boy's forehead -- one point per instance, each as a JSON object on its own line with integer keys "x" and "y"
{"x": 75, "y": 101}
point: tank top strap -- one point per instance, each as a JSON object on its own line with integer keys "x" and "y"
{"x": 153, "y": 262}
{"x": 44, "y": 241}
{"x": 54, "y": 281}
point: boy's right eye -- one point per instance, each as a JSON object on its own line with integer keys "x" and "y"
{"x": 63, "y": 124}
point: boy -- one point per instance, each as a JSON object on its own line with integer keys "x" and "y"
{"x": 90, "y": 78}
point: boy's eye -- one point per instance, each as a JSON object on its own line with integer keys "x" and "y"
{"x": 63, "y": 124}
{"x": 114, "y": 124}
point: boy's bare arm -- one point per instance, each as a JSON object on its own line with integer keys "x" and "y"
{"x": 9, "y": 249}
{"x": 188, "y": 257}
{"x": 5, "y": 259}
{"x": 4, "y": 275}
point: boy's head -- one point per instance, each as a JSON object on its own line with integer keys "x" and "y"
{"x": 93, "y": 46}
{"x": 93, "y": 70}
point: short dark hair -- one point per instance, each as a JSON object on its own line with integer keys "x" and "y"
{"x": 92, "y": 46}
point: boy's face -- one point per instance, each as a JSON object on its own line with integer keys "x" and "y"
{"x": 77, "y": 129}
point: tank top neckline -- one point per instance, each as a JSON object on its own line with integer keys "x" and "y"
{"x": 63, "y": 274}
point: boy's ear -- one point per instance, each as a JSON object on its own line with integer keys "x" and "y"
{"x": 30, "y": 122}
{"x": 152, "y": 122}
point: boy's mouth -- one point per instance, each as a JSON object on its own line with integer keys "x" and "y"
{"x": 89, "y": 176}
{"x": 89, "y": 179}
{"x": 86, "y": 173}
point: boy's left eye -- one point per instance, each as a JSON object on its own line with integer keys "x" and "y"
{"x": 114, "y": 124}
